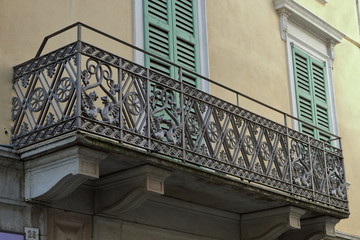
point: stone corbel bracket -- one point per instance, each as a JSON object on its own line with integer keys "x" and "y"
{"x": 270, "y": 224}
{"x": 319, "y": 228}
{"x": 284, "y": 16}
{"x": 125, "y": 191}
{"x": 57, "y": 174}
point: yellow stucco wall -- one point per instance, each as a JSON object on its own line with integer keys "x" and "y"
{"x": 347, "y": 85}
{"x": 24, "y": 24}
{"x": 246, "y": 52}
{"x": 340, "y": 14}
{"x": 346, "y": 73}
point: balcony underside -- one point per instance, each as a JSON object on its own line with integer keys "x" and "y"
{"x": 182, "y": 181}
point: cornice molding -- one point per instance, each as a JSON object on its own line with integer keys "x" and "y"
{"x": 289, "y": 10}
{"x": 323, "y": 1}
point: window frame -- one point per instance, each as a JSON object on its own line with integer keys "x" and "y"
{"x": 312, "y": 35}
{"x": 309, "y": 47}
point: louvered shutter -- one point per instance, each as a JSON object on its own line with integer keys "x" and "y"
{"x": 321, "y": 102}
{"x": 158, "y": 36}
{"x": 186, "y": 37}
{"x": 171, "y": 32}
{"x": 311, "y": 94}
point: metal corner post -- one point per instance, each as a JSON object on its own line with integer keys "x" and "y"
{"x": 78, "y": 78}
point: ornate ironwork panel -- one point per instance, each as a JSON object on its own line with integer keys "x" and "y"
{"x": 45, "y": 92}
{"x": 83, "y": 88}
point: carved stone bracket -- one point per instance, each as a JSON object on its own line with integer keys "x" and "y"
{"x": 284, "y": 15}
{"x": 55, "y": 175}
{"x": 270, "y": 224}
{"x": 126, "y": 190}
{"x": 319, "y": 228}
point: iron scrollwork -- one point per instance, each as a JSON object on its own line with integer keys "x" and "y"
{"x": 110, "y": 111}
{"x": 164, "y": 115}
{"x": 300, "y": 164}
{"x": 337, "y": 185}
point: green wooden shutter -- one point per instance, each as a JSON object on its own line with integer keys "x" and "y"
{"x": 186, "y": 37}
{"x": 171, "y": 32}
{"x": 311, "y": 94}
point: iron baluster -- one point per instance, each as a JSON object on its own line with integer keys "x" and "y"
{"x": 182, "y": 117}
{"x": 147, "y": 107}
{"x": 326, "y": 174}
{"x": 288, "y": 155}
{"x": 311, "y": 166}
{"x": 78, "y": 79}
{"x": 120, "y": 100}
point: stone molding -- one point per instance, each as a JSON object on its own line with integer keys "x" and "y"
{"x": 64, "y": 225}
{"x": 289, "y": 10}
{"x": 346, "y": 236}
{"x": 270, "y": 224}
{"x": 126, "y": 190}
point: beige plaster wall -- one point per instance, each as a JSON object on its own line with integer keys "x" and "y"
{"x": 24, "y": 24}
{"x": 347, "y": 85}
{"x": 340, "y": 14}
{"x": 247, "y": 54}
{"x": 346, "y": 74}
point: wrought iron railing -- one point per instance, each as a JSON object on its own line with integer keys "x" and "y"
{"x": 80, "y": 87}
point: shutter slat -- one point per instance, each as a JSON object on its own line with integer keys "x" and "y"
{"x": 308, "y": 130}
{"x": 186, "y": 54}
{"x": 160, "y": 67}
{"x": 184, "y": 17}
{"x": 159, "y": 41}
{"x": 324, "y": 137}
{"x": 306, "y": 111}
{"x": 322, "y": 117}
{"x": 186, "y": 2}
{"x": 158, "y": 9}
{"x": 301, "y": 60}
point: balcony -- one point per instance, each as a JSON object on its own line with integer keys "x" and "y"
{"x": 82, "y": 89}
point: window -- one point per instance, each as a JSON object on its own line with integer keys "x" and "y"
{"x": 171, "y": 31}
{"x": 311, "y": 94}
{"x": 310, "y": 43}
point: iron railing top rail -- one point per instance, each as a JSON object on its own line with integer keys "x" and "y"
{"x": 79, "y": 25}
